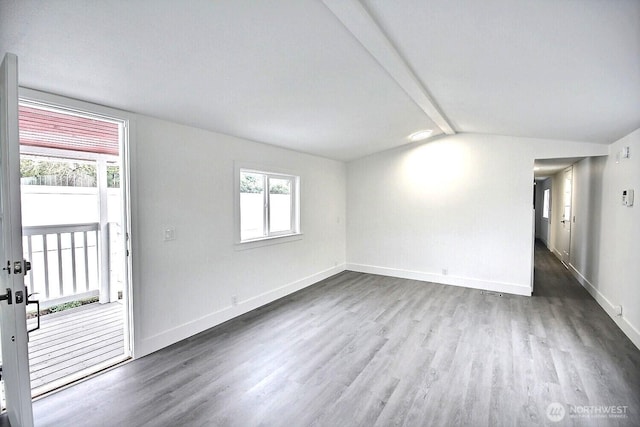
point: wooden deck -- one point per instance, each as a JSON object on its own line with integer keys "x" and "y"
{"x": 71, "y": 341}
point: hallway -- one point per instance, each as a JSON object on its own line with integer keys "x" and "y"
{"x": 584, "y": 338}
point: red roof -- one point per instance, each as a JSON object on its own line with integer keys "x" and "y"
{"x": 58, "y": 129}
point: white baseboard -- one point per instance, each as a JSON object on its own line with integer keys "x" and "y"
{"x": 509, "y": 288}
{"x": 186, "y": 330}
{"x": 173, "y": 335}
{"x": 629, "y": 330}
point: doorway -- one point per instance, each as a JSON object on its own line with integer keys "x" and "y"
{"x": 75, "y": 235}
{"x": 543, "y": 206}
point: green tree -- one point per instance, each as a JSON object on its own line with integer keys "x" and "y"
{"x": 113, "y": 176}
{"x": 249, "y": 183}
{"x": 48, "y": 172}
{"x": 279, "y": 189}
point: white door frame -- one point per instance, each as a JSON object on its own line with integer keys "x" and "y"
{"x": 567, "y": 216}
{"x": 126, "y": 159}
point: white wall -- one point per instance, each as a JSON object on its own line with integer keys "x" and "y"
{"x": 606, "y": 236}
{"x": 461, "y": 203}
{"x": 184, "y": 178}
{"x": 587, "y": 206}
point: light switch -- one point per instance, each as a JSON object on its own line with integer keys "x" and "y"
{"x": 169, "y": 234}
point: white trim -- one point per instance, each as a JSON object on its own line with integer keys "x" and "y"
{"x": 508, "y": 288}
{"x": 31, "y": 150}
{"x": 188, "y": 329}
{"x": 623, "y": 323}
{"x": 73, "y": 379}
{"x": 106, "y": 113}
{"x": 129, "y": 184}
{"x": 56, "y": 189}
{"x": 267, "y": 241}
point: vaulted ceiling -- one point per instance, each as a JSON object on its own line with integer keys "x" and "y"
{"x": 342, "y": 78}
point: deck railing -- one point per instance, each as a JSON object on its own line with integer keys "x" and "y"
{"x": 65, "y": 262}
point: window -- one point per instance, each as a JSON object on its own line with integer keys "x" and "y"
{"x": 268, "y": 205}
{"x": 545, "y": 204}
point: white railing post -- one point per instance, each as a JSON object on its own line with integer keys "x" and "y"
{"x": 103, "y": 253}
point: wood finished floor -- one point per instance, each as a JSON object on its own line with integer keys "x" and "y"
{"x": 366, "y": 350}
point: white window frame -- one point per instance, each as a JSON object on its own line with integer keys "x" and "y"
{"x": 294, "y": 232}
{"x": 546, "y": 203}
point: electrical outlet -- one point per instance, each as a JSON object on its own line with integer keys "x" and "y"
{"x": 618, "y": 310}
{"x": 234, "y": 300}
{"x": 445, "y": 271}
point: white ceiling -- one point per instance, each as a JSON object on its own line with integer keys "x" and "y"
{"x": 544, "y": 168}
{"x": 316, "y": 78}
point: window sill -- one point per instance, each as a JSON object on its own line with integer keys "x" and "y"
{"x": 267, "y": 241}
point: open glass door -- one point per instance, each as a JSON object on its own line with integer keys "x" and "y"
{"x": 13, "y": 326}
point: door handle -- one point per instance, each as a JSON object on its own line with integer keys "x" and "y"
{"x": 7, "y": 297}
{"x": 37, "y": 302}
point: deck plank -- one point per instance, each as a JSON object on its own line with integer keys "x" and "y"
{"x": 71, "y": 332}
{"x": 71, "y": 345}
{"x": 70, "y": 341}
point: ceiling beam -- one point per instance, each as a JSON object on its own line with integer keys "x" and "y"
{"x": 361, "y": 24}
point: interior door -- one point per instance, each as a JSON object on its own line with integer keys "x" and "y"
{"x": 565, "y": 222}
{"x": 13, "y": 324}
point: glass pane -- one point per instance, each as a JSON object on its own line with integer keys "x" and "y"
{"x": 251, "y": 205}
{"x": 279, "y": 205}
{"x": 113, "y": 175}
{"x": 39, "y": 170}
{"x": 545, "y": 207}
